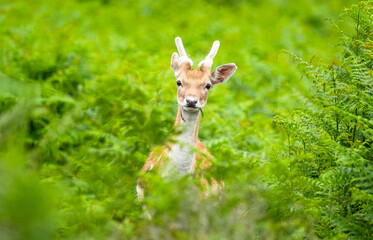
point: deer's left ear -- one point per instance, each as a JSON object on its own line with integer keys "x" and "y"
{"x": 222, "y": 73}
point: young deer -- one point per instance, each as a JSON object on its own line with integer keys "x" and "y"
{"x": 193, "y": 87}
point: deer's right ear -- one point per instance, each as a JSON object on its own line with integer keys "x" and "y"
{"x": 175, "y": 62}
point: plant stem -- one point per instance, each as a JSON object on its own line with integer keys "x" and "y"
{"x": 354, "y": 132}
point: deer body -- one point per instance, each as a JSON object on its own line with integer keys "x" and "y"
{"x": 193, "y": 87}
{"x": 182, "y": 153}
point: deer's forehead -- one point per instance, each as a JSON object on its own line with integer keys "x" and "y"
{"x": 194, "y": 77}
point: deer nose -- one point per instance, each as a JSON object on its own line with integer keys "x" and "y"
{"x": 191, "y": 102}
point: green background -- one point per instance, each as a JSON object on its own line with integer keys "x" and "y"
{"x": 87, "y": 92}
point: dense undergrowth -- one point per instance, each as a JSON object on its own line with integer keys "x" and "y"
{"x": 330, "y": 140}
{"x": 86, "y": 92}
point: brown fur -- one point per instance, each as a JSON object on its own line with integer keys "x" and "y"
{"x": 157, "y": 159}
{"x": 193, "y": 85}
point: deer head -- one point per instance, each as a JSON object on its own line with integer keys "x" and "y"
{"x": 193, "y": 85}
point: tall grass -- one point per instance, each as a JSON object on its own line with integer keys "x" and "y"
{"x": 87, "y": 93}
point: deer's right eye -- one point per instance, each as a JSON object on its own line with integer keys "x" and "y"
{"x": 178, "y": 82}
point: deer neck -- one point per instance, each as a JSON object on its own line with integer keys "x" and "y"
{"x": 182, "y": 153}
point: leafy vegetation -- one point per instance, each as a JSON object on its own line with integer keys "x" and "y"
{"x": 87, "y": 93}
{"x": 330, "y": 141}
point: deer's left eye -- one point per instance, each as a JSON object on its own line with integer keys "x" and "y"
{"x": 178, "y": 82}
{"x": 208, "y": 86}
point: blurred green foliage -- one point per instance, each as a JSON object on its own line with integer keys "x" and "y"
{"x": 330, "y": 140}
{"x": 87, "y": 92}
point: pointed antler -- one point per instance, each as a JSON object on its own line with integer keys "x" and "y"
{"x": 184, "y": 59}
{"x": 180, "y": 47}
{"x": 206, "y": 64}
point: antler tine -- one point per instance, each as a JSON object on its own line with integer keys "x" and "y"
{"x": 184, "y": 59}
{"x": 207, "y": 62}
{"x": 180, "y": 47}
{"x": 214, "y": 50}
